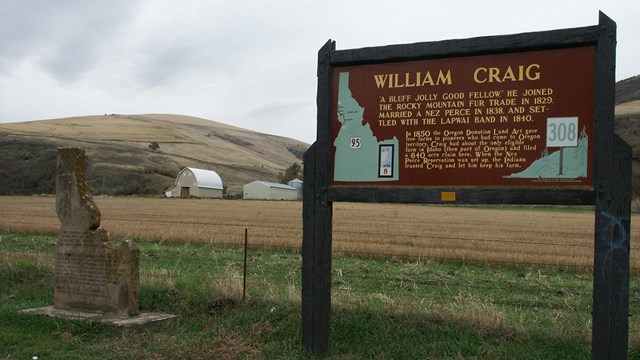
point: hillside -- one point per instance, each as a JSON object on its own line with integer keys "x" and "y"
{"x": 628, "y": 125}
{"x": 628, "y": 90}
{"x": 122, "y": 161}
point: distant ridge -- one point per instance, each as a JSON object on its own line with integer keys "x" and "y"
{"x": 121, "y": 155}
{"x": 628, "y": 90}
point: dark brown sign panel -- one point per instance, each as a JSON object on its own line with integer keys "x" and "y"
{"x": 520, "y": 119}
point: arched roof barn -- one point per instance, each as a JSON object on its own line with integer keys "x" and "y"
{"x": 193, "y": 182}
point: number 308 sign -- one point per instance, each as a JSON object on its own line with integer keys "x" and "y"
{"x": 562, "y": 132}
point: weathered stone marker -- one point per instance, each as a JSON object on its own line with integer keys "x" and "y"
{"x": 89, "y": 275}
{"x": 93, "y": 281}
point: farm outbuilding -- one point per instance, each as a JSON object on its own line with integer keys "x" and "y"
{"x": 192, "y": 182}
{"x": 264, "y": 190}
{"x": 297, "y": 184}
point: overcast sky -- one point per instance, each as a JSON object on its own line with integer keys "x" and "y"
{"x": 248, "y": 64}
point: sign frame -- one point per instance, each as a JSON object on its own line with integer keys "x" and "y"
{"x": 611, "y": 192}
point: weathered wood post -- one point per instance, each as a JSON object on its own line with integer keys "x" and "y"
{"x": 610, "y": 334}
{"x": 317, "y": 223}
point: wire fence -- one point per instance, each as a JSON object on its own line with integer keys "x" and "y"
{"x": 537, "y": 292}
{"x": 532, "y": 286}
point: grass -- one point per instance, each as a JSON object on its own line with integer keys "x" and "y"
{"x": 383, "y": 307}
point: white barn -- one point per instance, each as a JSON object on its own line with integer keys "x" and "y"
{"x": 264, "y": 190}
{"x": 197, "y": 183}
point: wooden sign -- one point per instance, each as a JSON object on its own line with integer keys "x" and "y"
{"x": 514, "y": 119}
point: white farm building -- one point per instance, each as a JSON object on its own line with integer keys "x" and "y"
{"x": 197, "y": 183}
{"x": 297, "y": 184}
{"x": 269, "y": 191}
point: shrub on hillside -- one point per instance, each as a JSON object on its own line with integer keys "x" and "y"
{"x": 134, "y": 188}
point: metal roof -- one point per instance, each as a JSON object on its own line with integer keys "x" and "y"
{"x": 275, "y": 185}
{"x": 205, "y": 178}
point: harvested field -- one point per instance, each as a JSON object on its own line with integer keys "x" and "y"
{"x": 501, "y": 235}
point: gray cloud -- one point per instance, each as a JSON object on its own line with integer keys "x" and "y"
{"x": 65, "y": 38}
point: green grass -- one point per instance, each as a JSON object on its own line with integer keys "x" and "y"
{"x": 383, "y": 308}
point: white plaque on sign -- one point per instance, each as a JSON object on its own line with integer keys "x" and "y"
{"x": 562, "y": 131}
{"x": 385, "y": 161}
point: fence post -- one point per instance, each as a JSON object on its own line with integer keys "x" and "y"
{"x": 244, "y": 276}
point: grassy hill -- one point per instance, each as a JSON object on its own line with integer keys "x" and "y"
{"x": 628, "y": 125}
{"x": 628, "y": 90}
{"x": 122, "y": 158}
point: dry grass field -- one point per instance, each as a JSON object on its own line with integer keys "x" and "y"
{"x": 502, "y": 235}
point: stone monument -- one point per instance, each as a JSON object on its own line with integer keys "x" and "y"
{"x": 93, "y": 280}
{"x": 89, "y": 274}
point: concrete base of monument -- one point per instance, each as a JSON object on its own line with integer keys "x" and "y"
{"x": 126, "y": 324}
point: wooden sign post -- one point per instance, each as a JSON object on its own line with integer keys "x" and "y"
{"x": 514, "y": 119}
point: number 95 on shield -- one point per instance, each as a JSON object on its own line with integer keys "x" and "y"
{"x": 355, "y": 142}
{"x": 562, "y": 131}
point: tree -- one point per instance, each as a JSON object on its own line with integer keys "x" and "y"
{"x": 292, "y": 172}
{"x": 154, "y": 146}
